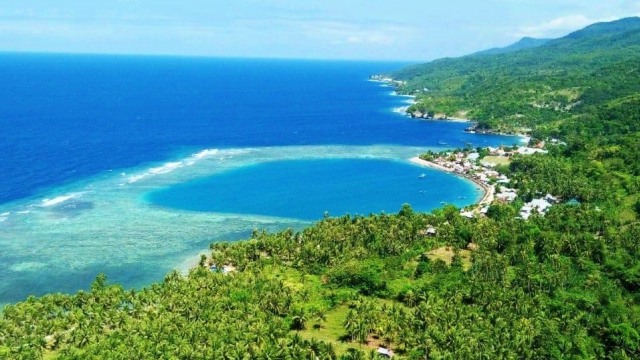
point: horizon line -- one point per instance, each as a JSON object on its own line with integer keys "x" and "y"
{"x": 200, "y": 56}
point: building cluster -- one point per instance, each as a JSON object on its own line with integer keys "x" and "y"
{"x": 470, "y": 165}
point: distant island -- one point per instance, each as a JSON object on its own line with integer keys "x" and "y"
{"x": 547, "y": 269}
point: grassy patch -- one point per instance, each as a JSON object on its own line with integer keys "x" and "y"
{"x": 497, "y": 160}
{"x": 332, "y": 330}
{"x": 446, "y": 254}
{"x": 49, "y": 355}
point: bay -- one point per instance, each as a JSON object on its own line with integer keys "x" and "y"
{"x": 87, "y": 140}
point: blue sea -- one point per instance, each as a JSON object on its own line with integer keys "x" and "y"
{"x": 131, "y": 166}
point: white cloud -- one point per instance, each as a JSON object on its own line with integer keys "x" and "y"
{"x": 566, "y": 24}
{"x": 558, "y": 26}
{"x": 337, "y": 32}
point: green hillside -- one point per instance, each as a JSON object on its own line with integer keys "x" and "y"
{"x": 524, "y": 43}
{"x": 540, "y": 87}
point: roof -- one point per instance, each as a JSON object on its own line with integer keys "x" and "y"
{"x": 385, "y": 351}
{"x": 467, "y": 214}
{"x": 539, "y": 204}
{"x": 529, "y": 151}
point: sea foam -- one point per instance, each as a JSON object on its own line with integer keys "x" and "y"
{"x": 57, "y": 200}
{"x": 204, "y": 153}
{"x": 164, "y": 169}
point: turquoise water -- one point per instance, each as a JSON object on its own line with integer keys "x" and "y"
{"x": 307, "y": 189}
{"x": 90, "y": 143}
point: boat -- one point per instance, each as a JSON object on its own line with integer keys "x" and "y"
{"x": 422, "y": 176}
{"x": 442, "y": 143}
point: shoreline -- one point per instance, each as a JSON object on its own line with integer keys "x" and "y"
{"x": 439, "y": 117}
{"x": 489, "y": 191}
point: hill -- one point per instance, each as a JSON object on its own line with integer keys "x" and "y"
{"x": 524, "y": 43}
{"x": 540, "y": 87}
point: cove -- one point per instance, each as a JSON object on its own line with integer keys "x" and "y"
{"x": 308, "y": 189}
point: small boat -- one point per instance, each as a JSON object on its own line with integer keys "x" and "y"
{"x": 422, "y": 176}
{"x": 442, "y": 143}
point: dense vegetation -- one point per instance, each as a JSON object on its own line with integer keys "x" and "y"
{"x": 563, "y": 285}
{"x": 543, "y": 86}
{"x": 524, "y": 43}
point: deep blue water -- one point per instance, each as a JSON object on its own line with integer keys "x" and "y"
{"x": 65, "y": 117}
{"x": 306, "y": 189}
{"x": 98, "y": 172}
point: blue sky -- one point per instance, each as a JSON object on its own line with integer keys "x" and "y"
{"x": 324, "y": 29}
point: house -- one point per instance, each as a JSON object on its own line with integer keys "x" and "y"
{"x": 538, "y": 205}
{"x": 530, "y": 151}
{"x": 388, "y": 353}
{"x": 503, "y": 179}
{"x": 550, "y": 198}
{"x": 507, "y": 195}
{"x": 430, "y": 231}
{"x": 492, "y": 173}
{"x": 525, "y": 212}
{"x": 467, "y": 214}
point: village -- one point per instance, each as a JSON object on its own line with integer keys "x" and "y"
{"x": 481, "y": 166}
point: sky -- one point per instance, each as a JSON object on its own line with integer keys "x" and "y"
{"x": 411, "y": 30}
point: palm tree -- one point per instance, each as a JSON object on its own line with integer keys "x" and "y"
{"x": 320, "y": 316}
{"x": 298, "y": 319}
{"x": 351, "y": 324}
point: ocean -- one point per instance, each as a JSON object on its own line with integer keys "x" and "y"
{"x": 131, "y": 166}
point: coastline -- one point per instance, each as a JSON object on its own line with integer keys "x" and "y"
{"x": 447, "y": 119}
{"x": 489, "y": 191}
{"x": 150, "y": 236}
{"x": 524, "y": 137}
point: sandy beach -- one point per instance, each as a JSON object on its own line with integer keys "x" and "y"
{"x": 489, "y": 191}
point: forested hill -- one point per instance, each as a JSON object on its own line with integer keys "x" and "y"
{"x": 593, "y": 69}
{"x": 524, "y": 43}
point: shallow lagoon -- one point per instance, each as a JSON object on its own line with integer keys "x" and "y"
{"x": 107, "y": 223}
{"x": 307, "y": 189}
{"x": 87, "y": 139}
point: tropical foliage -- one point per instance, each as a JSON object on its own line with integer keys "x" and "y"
{"x": 543, "y": 86}
{"x": 563, "y": 285}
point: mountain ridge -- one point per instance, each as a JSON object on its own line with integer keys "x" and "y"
{"x": 541, "y": 87}
{"x": 524, "y": 43}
